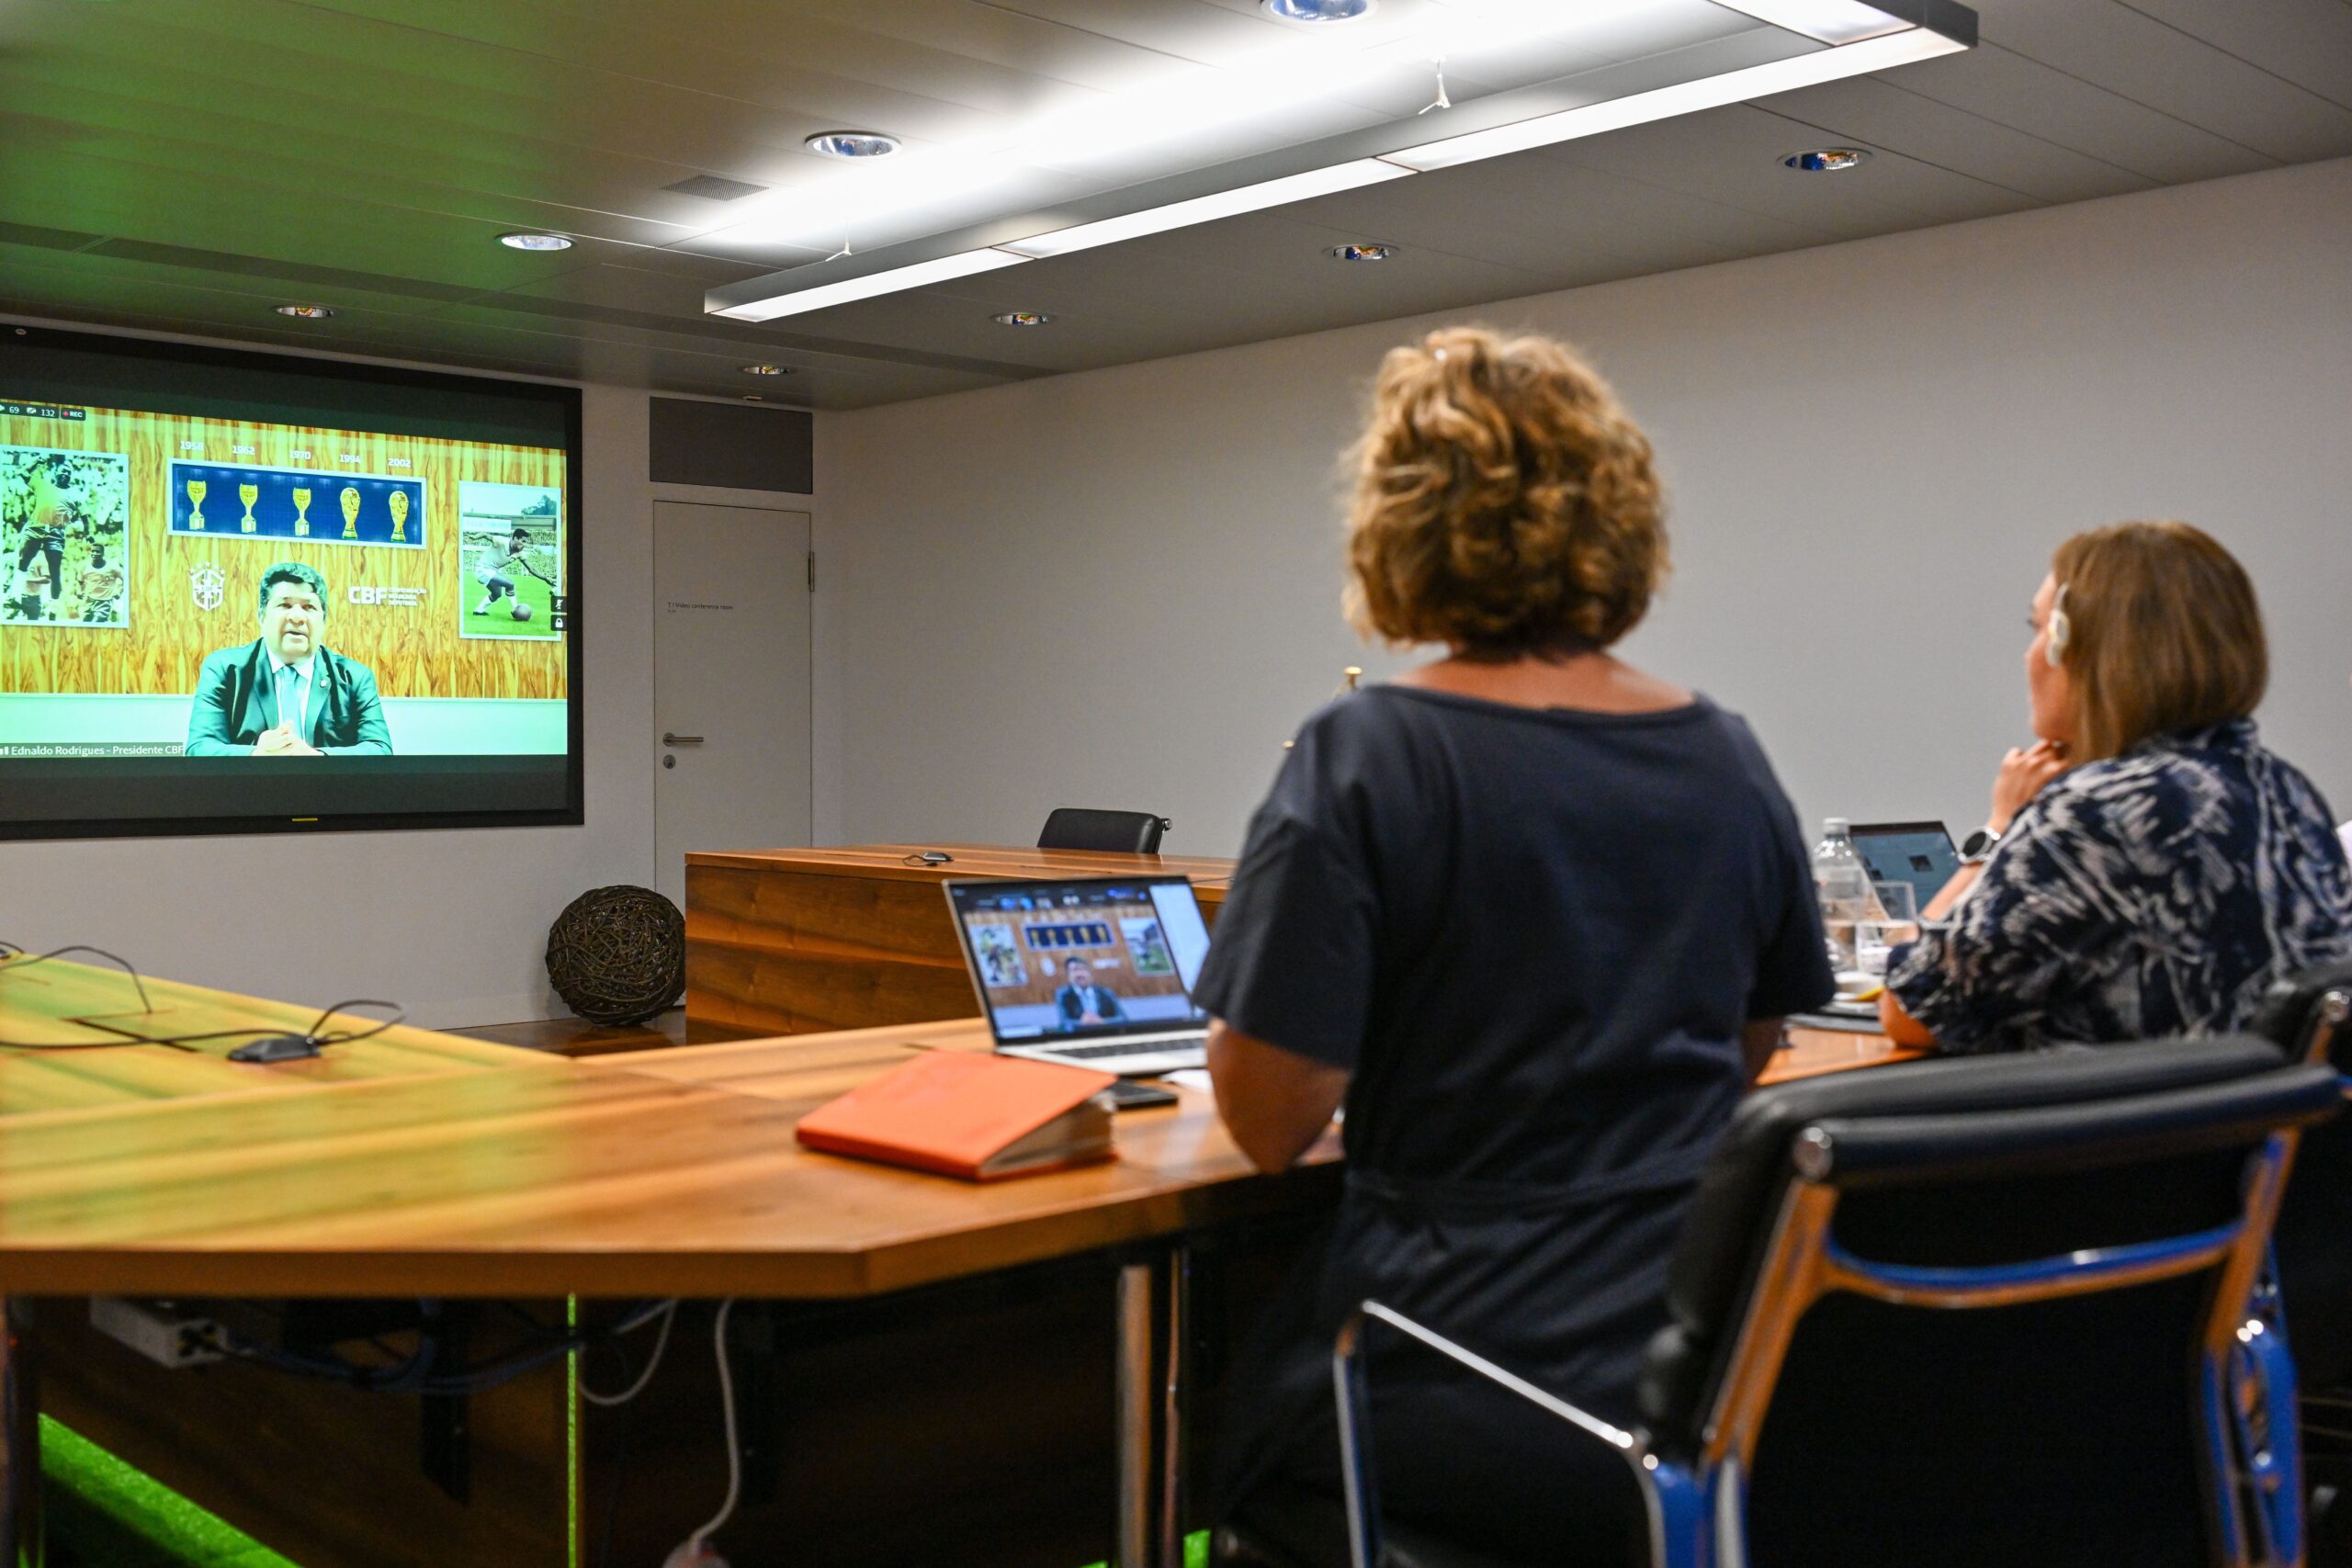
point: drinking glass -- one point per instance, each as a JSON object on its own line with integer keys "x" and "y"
{"x": 1896, "y": 920}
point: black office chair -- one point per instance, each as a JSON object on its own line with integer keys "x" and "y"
{"x": 2309, "y": 1017}
{"x": 1125, "y": 832}
{"x": 2098, "y": 1217}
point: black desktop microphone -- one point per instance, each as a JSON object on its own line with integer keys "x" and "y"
{"x": 276, "y": 1048}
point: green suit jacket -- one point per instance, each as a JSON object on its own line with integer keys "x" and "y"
{"x": 236, "y": 704}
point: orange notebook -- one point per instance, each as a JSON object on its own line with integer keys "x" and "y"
{"x": 979, "y": 1117}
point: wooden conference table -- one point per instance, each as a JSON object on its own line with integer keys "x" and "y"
{"x": 418, "y": 1166}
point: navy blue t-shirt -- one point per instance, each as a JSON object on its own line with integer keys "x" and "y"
{"x": 1533, "y": 935}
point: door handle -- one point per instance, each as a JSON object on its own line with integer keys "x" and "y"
{"x": 670, "y": 739}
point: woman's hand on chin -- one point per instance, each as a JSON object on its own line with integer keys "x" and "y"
{"x": 2023, "y": 772}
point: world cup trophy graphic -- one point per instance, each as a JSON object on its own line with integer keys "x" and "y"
{"x": 350, "y": 513}
{"x": 196, "y": 489}
{"x": 248, "y": 494}
{"x": 302, "y": 513}
{"x": 399, "y": 502}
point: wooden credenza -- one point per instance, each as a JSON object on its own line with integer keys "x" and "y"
{"x": 795, "y": 942}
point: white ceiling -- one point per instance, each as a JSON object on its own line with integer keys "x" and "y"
{"x": 186, "y": 165}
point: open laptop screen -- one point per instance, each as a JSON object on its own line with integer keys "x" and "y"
{"x": 1092, "y": 957}
{"x": 1920, "y": 853}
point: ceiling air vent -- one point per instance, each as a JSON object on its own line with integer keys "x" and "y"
{"x": 711, "y": 188}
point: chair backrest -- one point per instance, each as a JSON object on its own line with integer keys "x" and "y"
{"x": 2309, "y": 1017}
{"x": 2096, "y": 1215}
{"x": 1082, "y": 828}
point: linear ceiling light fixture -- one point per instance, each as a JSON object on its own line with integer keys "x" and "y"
{"x": 1683, "y": 98}
{"x": 1860, "y": 38}
{"x": 1208, "y": 208}
{"x": 1831, "y": 21}
{"x": 941, "y": 269}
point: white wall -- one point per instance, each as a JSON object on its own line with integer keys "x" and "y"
{"x": 1121, "y": 588}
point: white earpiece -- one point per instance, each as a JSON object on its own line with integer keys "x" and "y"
{"x": 2061, "y": 629}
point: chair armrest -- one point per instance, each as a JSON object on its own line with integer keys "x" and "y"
{"x": 1352, "y": 1392}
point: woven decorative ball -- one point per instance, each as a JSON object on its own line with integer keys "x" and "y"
{"x": 618, "y": 954}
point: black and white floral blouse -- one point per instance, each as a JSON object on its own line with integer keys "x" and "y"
{"x": 2151, "y": 894}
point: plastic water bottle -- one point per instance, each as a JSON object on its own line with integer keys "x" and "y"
{"x": 1843, "y": 885}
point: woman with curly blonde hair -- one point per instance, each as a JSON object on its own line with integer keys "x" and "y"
{"x": 1534, "y": 916}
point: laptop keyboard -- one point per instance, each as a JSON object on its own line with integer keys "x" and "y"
{"x": 1130, "y": 1048}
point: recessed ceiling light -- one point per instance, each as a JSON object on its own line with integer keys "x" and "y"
{"x": 1021, "y": 319}
{"x": 853, "y": 143}
{"x": 766, "y": 370}
{"x": 1825, "y": 160}
{"x": 534, "y": 242}
{"x": 1360, "y": 253}
{"x": 1319, "y": 10}
{"x": 308, "y": 312}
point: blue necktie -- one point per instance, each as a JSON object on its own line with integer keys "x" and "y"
{"x": 289, "y": 686}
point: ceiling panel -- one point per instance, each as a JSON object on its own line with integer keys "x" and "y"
{"x": 2308, "y": 45}
{"x": 737, "y": 345}
{"x": 2002, "y": 85}
{"x": 626, "y": 288}
{"x": 1541, "y": 217}
{"x": 2126, "y": 50}
{"x": 184, "y": 164}
{"x": 1885, "y": 115}
{"x": 1732, "y": 158}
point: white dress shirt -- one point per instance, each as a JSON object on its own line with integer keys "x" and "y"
{"x": 301, "y": 710}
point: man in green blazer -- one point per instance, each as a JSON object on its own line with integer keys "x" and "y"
{"x": 284, "y": 694}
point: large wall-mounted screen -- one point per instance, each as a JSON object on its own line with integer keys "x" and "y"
{"x": 243, "y": 591}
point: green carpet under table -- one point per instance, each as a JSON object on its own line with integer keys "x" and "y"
{"x": 105, "y": 1514}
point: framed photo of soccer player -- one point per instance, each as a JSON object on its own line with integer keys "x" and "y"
{"x": 511, "y": 542}
{"x": 64, "y": 551}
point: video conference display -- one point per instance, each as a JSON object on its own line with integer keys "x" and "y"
{"x": 1084, "y": 958}
{"x": 241, "y": 591}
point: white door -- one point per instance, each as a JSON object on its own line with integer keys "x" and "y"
{"x": 731, "y": 682}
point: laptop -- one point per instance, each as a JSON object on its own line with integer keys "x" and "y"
{"x": 1092, "y": 971}
{"x": 1920, "y": 853}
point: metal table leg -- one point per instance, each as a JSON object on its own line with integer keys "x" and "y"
{"x": 1172, "y": 1452}
{"x": 1134, "y": 1414}
{"x": 1151, "y": 1420}
{"x": 21, "y": 1543}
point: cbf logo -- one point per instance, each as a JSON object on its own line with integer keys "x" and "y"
{"x": 208, "y": 583}
{"x": 399, "y": 598}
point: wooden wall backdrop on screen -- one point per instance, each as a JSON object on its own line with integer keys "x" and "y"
{"x": 178, "y": 612}
{"x": 1124, "y": 944}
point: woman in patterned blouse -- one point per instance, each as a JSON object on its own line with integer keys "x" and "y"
{"x": 2154, "y": 867}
